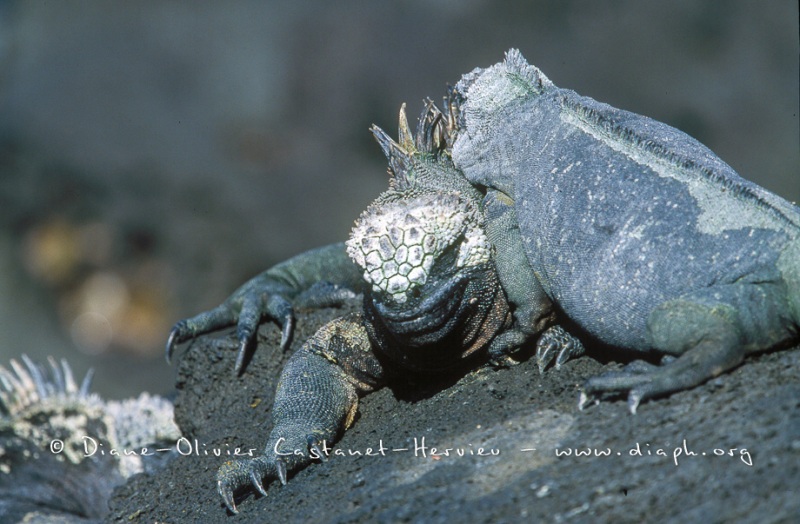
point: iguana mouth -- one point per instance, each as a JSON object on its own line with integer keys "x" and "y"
{"x": 430, "y": 314}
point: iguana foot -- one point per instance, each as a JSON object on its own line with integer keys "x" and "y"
{"x": 245, "y": 309}
{"x": 321, "y": 277}
{"x": 556, "y": 343}
{"x": 505, "y": 346}
{"x": 238, "y": 475}
{"x": 643, "y": 380}
{"x": 262, "y": 297}
{"x": 638, "y": 378}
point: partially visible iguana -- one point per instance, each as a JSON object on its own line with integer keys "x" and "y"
{"x": 63, "y": 449}
{"x": 520, "y": 206}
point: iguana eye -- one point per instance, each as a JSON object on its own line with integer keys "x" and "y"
{"x": 447, "y": 261}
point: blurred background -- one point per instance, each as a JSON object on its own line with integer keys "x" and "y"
{"x": 156, "y": 154}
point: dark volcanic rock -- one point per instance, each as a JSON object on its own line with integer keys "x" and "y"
{"x": 728, "y": 450}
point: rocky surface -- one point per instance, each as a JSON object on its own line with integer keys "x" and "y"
{"x": 728, "y": 450}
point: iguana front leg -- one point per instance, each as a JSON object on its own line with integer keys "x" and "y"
{"x": 532, "y": 309}
{"x": 316, "y": 400}
{"x": 316, "y": 278}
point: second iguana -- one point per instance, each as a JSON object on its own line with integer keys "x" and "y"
{"x": 519, "y": 209}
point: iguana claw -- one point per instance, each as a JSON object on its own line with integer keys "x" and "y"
{"x": 240, "y": 356}
{"x": 313, "y": 444}
{"x": 227, "y": 497}
{"x": 171, "y": 342}
{"x": 255, "y": 480}
{"x": 281, "y": 467}
{"x": 634, "y": 398}
{"x": 584, "y": 400}
{"x": 287, "y": 329}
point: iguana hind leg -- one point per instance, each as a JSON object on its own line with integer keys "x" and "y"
{"x": 709, "y": 332}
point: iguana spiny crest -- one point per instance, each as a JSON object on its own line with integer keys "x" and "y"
{"x": 63, "y": 449}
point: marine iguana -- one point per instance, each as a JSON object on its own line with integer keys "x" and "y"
{"x": 63, "y": 449}
{"x": 523, "y": 205}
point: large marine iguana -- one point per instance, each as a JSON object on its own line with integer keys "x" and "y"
{"x": 522, "y": 205}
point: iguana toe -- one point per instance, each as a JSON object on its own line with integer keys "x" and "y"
{"x": 188, "y": 328}
{"x": 231, "y": 476}
{"x": 276, "y": 308}
{"x": 634, "y": 399}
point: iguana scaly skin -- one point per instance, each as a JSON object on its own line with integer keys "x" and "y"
{"x": 644, "y": 239}
{"x": 63, "y": 449}
{"x": 521, "y": 205}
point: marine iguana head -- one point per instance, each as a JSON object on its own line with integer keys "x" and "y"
{"x": 434, "y": 295}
